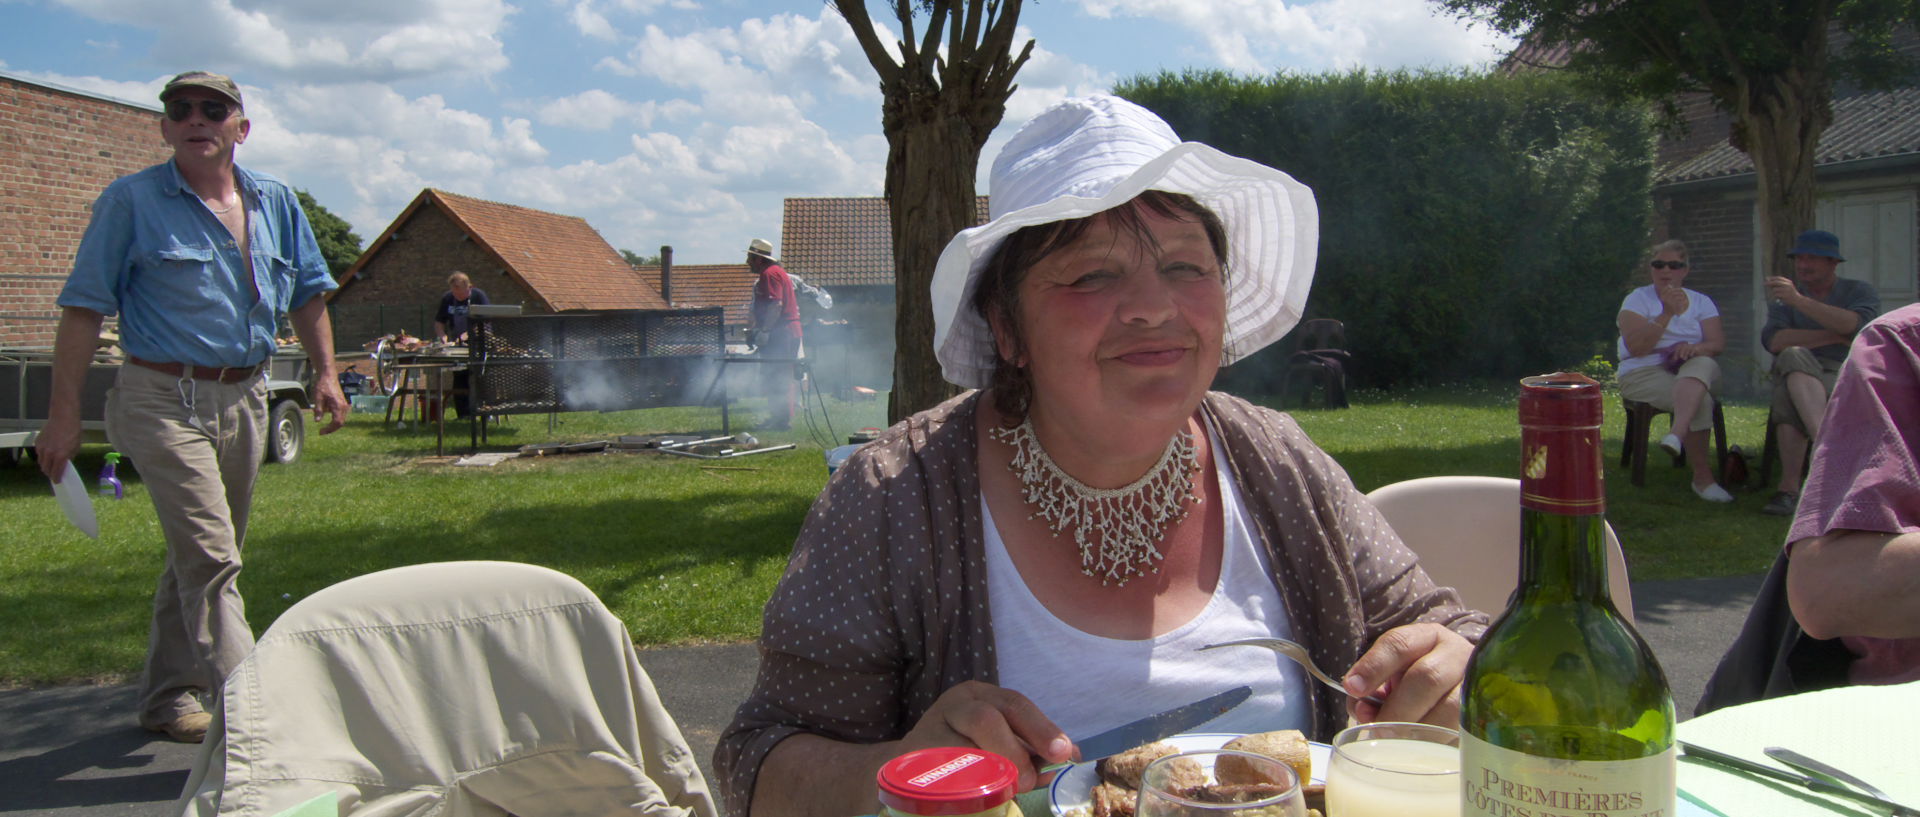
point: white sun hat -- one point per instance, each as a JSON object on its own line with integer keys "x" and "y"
{"x": 1087, "y": 155}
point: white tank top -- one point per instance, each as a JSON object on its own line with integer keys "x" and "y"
{"x": 1087, "y": 683}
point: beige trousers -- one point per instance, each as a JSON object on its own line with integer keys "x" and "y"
{"x": 197, "y": 446}
{"x": 1654, "y": 384}
{"x": 1798, "y": 359}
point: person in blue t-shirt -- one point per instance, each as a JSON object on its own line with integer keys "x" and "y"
{"x": 199, "y": 258}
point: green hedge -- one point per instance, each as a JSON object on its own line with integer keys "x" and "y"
{"x": 1471, "y": 225}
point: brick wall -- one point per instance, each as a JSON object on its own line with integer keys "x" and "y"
{"x": 58, "y": 150}
{"x": 400, "y": 285}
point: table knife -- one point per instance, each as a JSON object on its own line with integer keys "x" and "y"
{"x": 1811, "y": 783}
{"x": 1155, "y": 727}
{"x": 1815, "y": 767}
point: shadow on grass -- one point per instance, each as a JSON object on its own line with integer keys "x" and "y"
{"x": 619, "y": 548}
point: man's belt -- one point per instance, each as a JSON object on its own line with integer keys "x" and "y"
{"x": 222, "y": 374}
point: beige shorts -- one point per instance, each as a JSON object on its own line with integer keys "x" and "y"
{"x": 1654, "y": 385}
{"x": 1799, "y": 359}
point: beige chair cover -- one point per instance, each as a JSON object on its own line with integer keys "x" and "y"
{"x": 455, "y": 689}
{"x": 1466, "y": 531}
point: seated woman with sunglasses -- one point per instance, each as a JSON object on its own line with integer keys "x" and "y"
{"x": 1669, "y": 336}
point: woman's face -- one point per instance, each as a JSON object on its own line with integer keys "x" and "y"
{"x": 1117, "y": 330}
{"x": 1662, "y": 271}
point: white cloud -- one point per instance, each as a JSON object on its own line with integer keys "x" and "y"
{"x": 785, "y": 54}
{"x": 590, "y": 22}
{"x": 145, "y": 93}
{"x": 1327, "y": 34}
{"x": 351, "y": 40}
{"x": 793, "y": 157}
{"x": 599, "y": 110}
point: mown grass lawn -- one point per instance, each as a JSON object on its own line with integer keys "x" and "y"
{"x": 684, "y": 550}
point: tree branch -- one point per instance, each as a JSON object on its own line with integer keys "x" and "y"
{"x": 855, "y": 13}
{"x": 927, "y": 61}
{"x": 1718, "y": 32}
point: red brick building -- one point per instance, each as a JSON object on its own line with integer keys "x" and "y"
{"x": 545, "y": 262}
{"x": 59, "y": 147}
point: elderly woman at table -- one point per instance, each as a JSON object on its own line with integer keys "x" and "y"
{"x": 1042, "y": 558}
{"x": 1669, "y": 337}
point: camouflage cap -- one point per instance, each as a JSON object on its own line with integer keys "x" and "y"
{"x": 218, "y": 83}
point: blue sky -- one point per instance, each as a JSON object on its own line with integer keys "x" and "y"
{"x": 658, "y": 121}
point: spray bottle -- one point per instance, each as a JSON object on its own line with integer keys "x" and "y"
{"x": 110, "y": 484}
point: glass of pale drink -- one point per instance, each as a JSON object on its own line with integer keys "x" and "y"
{"x": 1394, "y": 770}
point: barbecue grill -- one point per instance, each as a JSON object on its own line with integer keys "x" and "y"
{"x": 596, "y": 361}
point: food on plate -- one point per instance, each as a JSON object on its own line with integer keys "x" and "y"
{"x": 1124, "y": 769}
{"x": 1236, "y": 779}
{"x": 1288, "y": 746}
{"x": 1108, "y": 800}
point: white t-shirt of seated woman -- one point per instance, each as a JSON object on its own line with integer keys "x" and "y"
{"x": 1684, "y": 328}
{"x": 1088, "y": 684}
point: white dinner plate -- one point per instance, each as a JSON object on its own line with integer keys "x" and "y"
{"x": 77, "y": 502}
{"x": 1072, "y": 786}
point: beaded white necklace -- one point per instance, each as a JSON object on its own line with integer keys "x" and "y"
{"x": 1128, "y": 520}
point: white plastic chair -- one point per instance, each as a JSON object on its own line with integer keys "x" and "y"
{"x": 1467, "y": 533}
{"x": 458, "y": 689}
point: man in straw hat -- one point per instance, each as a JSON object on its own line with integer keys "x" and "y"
{"x": 200, "y": 259}
{"x": 1810, "y": 325}
{"x": 775, "y": 323}
{"x": 1041, "y": 558}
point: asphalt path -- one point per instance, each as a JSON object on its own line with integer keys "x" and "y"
{"x": 74, "y": 751}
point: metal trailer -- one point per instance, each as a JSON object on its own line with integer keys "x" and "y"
{"x": 26, "y": 377}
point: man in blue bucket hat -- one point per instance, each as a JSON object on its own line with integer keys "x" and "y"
{"x": 1811, "y": 321}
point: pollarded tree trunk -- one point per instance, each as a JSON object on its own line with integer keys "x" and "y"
{"x": 930, "y": 169}
{"x": 943, "y": 96}
{"x": 1779, "y": 127}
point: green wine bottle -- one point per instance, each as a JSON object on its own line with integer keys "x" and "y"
{"x": 1564, "y": 709}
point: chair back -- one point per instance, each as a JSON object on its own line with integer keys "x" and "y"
{"x": 463, "y": 689}
{"x": 1466, "y": 531}
{"x": 1322, "y": 333}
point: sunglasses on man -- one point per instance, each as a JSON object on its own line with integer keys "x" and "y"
{"x": 1655, "y": 264}
{"x": 213, "y": 109}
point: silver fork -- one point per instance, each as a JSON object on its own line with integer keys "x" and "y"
{"x": 1299, "y": 655}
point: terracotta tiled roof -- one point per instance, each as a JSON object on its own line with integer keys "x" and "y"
{"x": 724, "y": 285}
{"x": 842, "y": 241}
{"x": 560, "y": 258}
{"x": 1870, "y": 126}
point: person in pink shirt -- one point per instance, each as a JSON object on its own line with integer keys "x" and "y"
{"x": 1854, "y": 549}
{"x": 775, "y": 320}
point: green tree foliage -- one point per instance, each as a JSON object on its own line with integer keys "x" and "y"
{"x": 1470, "y": 225}
{"x": 1768, "y": 63}
{"x": 338, "y": 244}
{"x": 635, "y": 259}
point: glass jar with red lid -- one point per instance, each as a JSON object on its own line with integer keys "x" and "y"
{"x": 949, "y": 781}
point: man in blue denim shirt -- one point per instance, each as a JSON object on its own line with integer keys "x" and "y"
{"x": 199, "y": 258}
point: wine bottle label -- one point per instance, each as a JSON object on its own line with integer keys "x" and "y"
{"x": 1500, "y": 782}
